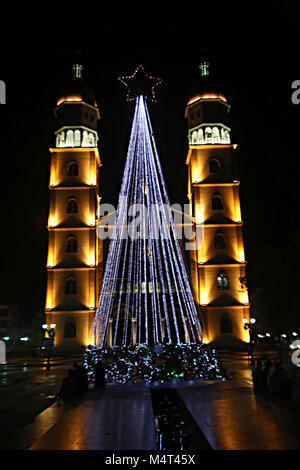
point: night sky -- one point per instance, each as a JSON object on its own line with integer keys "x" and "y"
{"x": 255, "y": 52}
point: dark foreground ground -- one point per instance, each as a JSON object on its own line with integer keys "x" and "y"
{"x": 212, "y": 415}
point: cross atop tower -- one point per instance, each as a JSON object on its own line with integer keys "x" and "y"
{"x": 77, "y": 70}
{"x": 204, "y": 68}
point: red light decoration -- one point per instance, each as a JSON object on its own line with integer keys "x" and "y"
{"x": 140, "y": 83}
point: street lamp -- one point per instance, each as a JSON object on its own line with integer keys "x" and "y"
{"x": 49, "y": 332}
{"x": 49, "y": 336}
{"x": 248, "y": 325}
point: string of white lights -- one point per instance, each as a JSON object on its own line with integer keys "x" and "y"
{"x": 145, "y": 283}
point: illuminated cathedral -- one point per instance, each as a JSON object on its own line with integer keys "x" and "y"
{"x": 217, "y": 263}
{"x": 74, "y": 265}
{"x": 75, "y": 253}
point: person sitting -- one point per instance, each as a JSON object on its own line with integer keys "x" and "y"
{"x": 69, "y": 386}
{"x": 81, "y": 378}
{"x": 99, "y": 372}
{"x": 265, "y": 374}
{"x": 275, "y": 380}
{"x": 257, "y": 376}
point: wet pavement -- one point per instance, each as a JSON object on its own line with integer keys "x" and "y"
{"x": 115, "y": 417}
{"x": 120, "y": 417}
{"x": 26, "y": 389}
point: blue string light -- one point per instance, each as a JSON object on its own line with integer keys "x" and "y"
{"x": 155, "y": 260}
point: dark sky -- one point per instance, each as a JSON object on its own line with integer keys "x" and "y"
{"x": 255, "y": 50}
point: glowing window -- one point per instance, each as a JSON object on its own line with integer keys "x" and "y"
{"x": 91, "y": 140}
{"x": 208, "y": 136}
{"x": 77, "y": 138}
{"x": 85, "y": 139}
{"x": 200, "y": 136}
{"x": 222, "y": 281}
{"x": 70, "y": 138}
{"x": 195, "y": 137}
{"x": 215, "y": 135}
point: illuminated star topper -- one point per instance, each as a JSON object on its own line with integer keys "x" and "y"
{"x": 140, "y": 83}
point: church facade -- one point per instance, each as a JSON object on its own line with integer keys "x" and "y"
{"x": 217, "y": 262}
{"x": 74, "y": 265}
{"x": 75, "y": 254}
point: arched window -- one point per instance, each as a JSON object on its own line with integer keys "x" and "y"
{"x": 208, "y": 135}
{"x": 70, "y": 139}
{"x": 217, "y": 203}
{"x": 223, "y": 138}
{"x": 85, "y": 139}
{"x": 77, "y": 138}
{"x": 225, "y": 324}
{"x": 91, "y": 140}
{"x": 215, "y": 135}
{"x": 71, "y": 286}
{"x": 222, "y": 281}
{"x": 219, "y": 241}
{"x": 58, "y": 140}
{"x": 72, "y": 207}
{"x": 70, "y": 328}
{"x": 215, "y": 165}
{"x": 200, "y": 136}
{"x": 73, "y": 169}
{"x": 71, "y": 246}
{"x": 227, "y": 137}
{"x": 195, "y": 137}
{"x": 62, "y": 139}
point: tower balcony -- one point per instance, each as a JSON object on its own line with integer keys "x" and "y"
{"x": 81, "y": 136}
{"x": 209, "y": 134}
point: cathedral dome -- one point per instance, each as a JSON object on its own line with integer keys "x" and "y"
{"x": 206, "y": 87}
{"x": 77, "y": 92}
{"x": 77, "y": 89}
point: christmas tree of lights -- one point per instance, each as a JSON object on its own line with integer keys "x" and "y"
{"x": 146, "y": 296}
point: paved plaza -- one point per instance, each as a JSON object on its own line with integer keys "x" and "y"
{"x": 120, "y": 417}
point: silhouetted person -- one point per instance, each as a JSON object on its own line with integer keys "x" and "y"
{"x": 265, "y": 374}
{"x": 257, "y": 376}
{"x": 99, "y": 372}
{"x": 69, "y": 386}
{"x": 275, "y": 380}
{"x": 81, "y": 377}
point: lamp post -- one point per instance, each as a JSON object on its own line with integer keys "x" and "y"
{"x": 248, "y": 326}
{"x": 49, "y": 335}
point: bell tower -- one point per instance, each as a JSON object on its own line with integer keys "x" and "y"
{"x": 74, "y": 265}
{"x": 218, "y": 265}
